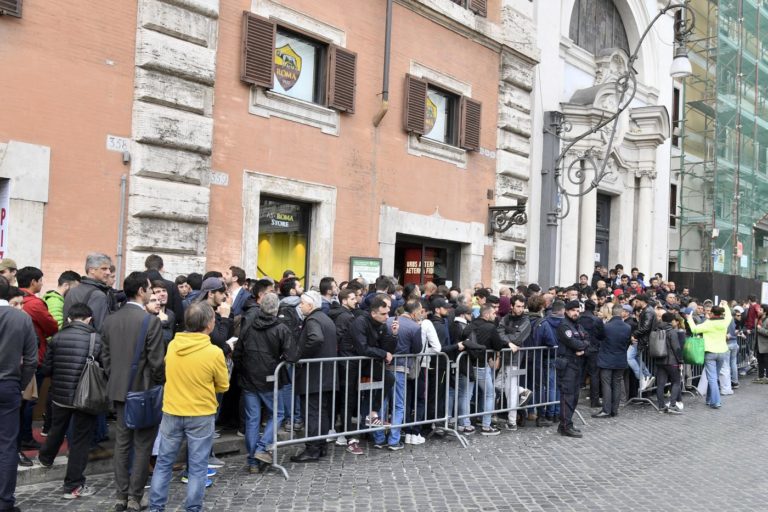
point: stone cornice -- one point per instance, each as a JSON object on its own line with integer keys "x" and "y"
{"x": 464, "y": 22}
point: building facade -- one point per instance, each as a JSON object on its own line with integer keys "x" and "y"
{"x": 268, "y": 134}
{"x": 585, "y": 46}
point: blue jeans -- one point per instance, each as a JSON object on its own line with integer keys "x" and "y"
{"x": 553, "y": 394}
{"x": 485, "y": 394}
{"x": 636, "y": 363}
{"x": 198, "y": 431}
{"x": 713, "y": 362}
{"x": 733, "y": 347}
{"x": 255, "y": 443}
{"x": 285, "y": 401}
{"x": 465, "y": 397}
{"x": 397, "y": 414}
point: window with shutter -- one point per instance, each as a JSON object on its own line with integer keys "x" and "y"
{"x": 479, "y": 7}
{"x": 341, "y": 79}
{"x": 415, "y": 104}
{"x": 258, "y": 61}
{"x": 469, "y": 125}
{"x": 11, "y": 7}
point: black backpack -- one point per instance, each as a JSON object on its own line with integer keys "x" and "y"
{"x": 288, "y": 315}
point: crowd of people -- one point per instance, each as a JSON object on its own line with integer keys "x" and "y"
{"x": 231, "y": 350}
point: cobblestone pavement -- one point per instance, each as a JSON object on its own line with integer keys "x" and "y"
{"x": 702, "y": 460}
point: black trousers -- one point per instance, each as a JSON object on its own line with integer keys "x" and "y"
{"x": 568, "y": 382}
{"x": 83, "y": 425}
{"x": 611, "y": 383}
{"x": 667, "y": 373}
{"x": 436, "y": 390}
{"x": 318, "y": 421}
{"x": 10, "y": 403}
{"x": 131, "y": 475}
{"x": 591, "y": 369}
{"x": 347, "y": 396}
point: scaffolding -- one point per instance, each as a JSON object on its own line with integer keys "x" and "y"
{"x": 722, "y": 135}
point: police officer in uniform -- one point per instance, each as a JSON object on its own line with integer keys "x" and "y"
{"x": 572, "y": 341}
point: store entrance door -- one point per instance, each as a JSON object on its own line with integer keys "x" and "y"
{"x": 420, "y": 260}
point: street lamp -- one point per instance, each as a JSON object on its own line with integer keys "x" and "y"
{"x": 626, "y": 85}
{"x": 591, "y": 165}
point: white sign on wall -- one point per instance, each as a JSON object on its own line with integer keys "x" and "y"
{"x": 5, "y": 199}
{"x": 119, "y": 144}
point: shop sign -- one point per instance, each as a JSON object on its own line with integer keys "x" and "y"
{"x": 413, "y": 266}
{"x": 367, "y": 268}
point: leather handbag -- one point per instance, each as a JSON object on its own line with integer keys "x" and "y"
{"x": 91, "y": 392}
{"x": 143, "y": 409}
{"x": 657, "y": 344}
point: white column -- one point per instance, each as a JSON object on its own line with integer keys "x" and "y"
{"x": 587, "y": 233}
{"x": 644, "y": 222}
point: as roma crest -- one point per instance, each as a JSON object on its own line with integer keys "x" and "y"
{"x": 287, "y": 66}
{"x": 430, "y": 115}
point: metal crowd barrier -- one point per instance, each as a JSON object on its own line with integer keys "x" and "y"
{"x": 364, "y": 388}
{"x": 506, "y": 373}
{"x": 649, "y": 363}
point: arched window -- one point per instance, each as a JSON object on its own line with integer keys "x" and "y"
{"x": 596, "y": 24}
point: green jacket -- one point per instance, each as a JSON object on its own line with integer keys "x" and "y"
{"x": 55, "y": 302}
{"x": 715, "y": 332}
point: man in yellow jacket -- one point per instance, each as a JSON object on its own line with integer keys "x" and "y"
{"x": 714, "y": 330}
{"x": 195, "y": 371}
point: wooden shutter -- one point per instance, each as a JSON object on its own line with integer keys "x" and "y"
{"x": 469, "y": 124}
{"x": 341, "y": 79}
{"x": 479, "y": 7}
{"x": 415, "y": 104}
{"x": 11, "y": 7}
{"x": 258, "y": 65}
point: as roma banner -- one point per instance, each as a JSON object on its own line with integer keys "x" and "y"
{"x": 287, "y": 66}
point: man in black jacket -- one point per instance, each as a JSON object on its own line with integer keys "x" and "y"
{"x": 64, "y": 362}
{"x": 515, "y": 328}
{"x": 257, "y": 353}
{"x": 18, "y": 343}
{"x": 93, "y": 289}
{"x": 154, "y": 265}
{"x": 367, "y": 336}
{"x": 646, "y": 322}
{"x": 571, "y": 344}
{"x": 215, "y": 292}
{"x": 316, "y": 383}
{"x": 594, "y": 328}
{"x": 482, "y": 339}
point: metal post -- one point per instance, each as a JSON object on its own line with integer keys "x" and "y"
{"x": 548, "y": 228}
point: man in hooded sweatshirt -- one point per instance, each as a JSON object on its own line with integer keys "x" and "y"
{"x": 195, "y": 371}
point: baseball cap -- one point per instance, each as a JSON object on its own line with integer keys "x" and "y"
{"x": 627, "y": 308}
{"x": 440, "y": 302}
{"x": 212, "y": 284}
{"x": 8, "y": 264}
{"x": 462, "y": 310}
{"x": 738, "y": 309}
{"x": 572, "y": 304}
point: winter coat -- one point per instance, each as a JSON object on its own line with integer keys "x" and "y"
{"x": 762, "y": 336}
{"x": 65, "y": 359}
{"x": 342, "y": 318}
{"x": 595, "y": 329}
{"x": 317, "y": 340}
{"x": 45, "y": 324}
{"x": 94, "y": 293}
{"x": 674, "y": 352}
{"x": 55, "y": 302}
{"x": 645, "y": 325}
{"x": 612, "y": 354}
{"x": 259, "y": 350}
{"x": 487, "y": 338}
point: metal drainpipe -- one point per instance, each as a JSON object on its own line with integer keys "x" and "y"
{"x": 387, "y": 50}
{"x": 120, "y": 230}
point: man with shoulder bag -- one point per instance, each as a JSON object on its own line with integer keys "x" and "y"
{"x": 132, "y": 335}
{"x": 64, "y": 362}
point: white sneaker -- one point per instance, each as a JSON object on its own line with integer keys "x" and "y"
{"x": 408, "y": 439}
{"x": 417, "y": 439}
{"x": 679, "y": 405}
{"x": 341, "y": 441}
{"x": 643, "y": 383}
